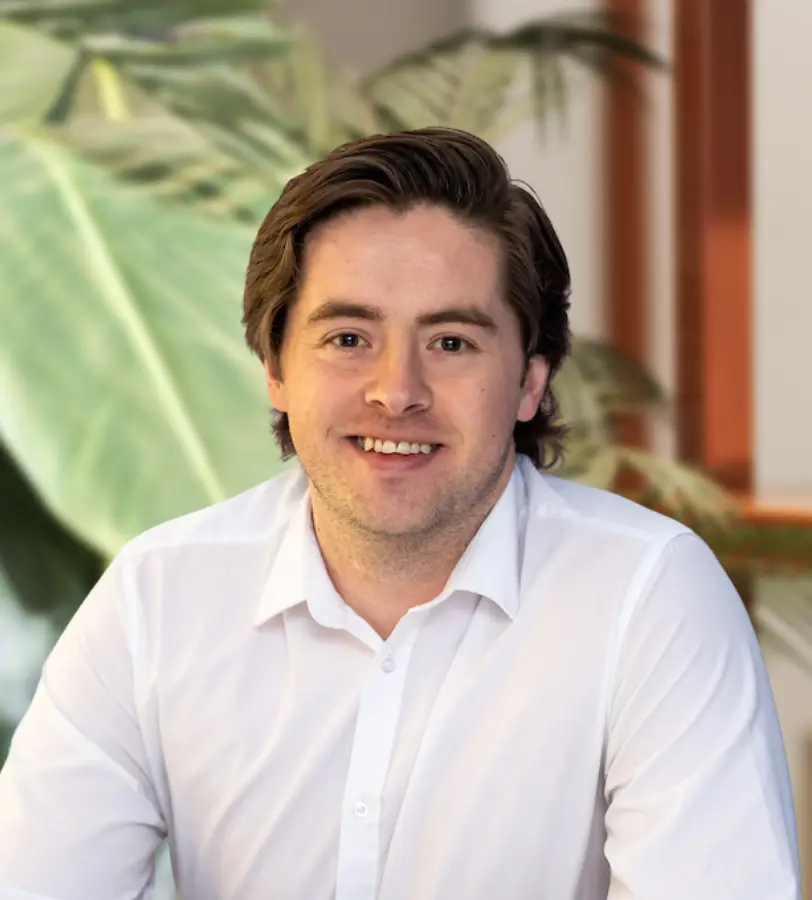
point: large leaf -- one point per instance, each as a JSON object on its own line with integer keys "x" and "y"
{"x": 128, "y": 396}
{"x": 142, "y": 42}
{"x": 221, "y": 145}
{"x": 175, "y": 160}
{"x": 137, "y": 52}
{"x": 32, "y": 71}
{"x": 228, "y": 140}
{"x": 77, "y": 20}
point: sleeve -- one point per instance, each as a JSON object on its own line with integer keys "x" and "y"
{"x": 699, "y": 803}
{"x": 79, "y": 818}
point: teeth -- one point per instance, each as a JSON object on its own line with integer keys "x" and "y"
{"x": 388, "y": 447}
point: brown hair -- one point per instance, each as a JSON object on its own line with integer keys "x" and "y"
{"x": 441, "y": 166}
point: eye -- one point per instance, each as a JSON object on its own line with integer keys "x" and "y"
{"x": 451, "y": 343}
{"x": 346, "y": 340}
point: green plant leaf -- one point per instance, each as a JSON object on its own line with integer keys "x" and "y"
{"x": 74, "y": 20}
{"x": 471, "y": 79}
{"x": 621, "y": 382}
{"x": 219, "y": 142}
{"x": 176, "y": 161}
{"x": 48, "y": 571}
{"x": 266, "y": 125}
{"x": 678, "y": 489}
{"x": 597, "y": 383}
{"x": 33, "y": 69}
{"x": 315, "y": 99}
{"x": 26, "y": 640}
{"x": 129, "y": 397}
{"x": 149, "y": 45}
{"x": 783, "y": 616}
{"x": 761, "y": 548}
{"x": 216, "y": 42}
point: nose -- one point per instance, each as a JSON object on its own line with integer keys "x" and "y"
{"x": 398, "y": 382}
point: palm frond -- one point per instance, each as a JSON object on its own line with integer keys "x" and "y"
{"x": 315, "y": 97}
{"x": 782, "y": 615}
{"x": 471, "y": 79}
{"x": 759, "y": 549}
{"x": 597, "y": 383}
{"x": 674, "y": 488}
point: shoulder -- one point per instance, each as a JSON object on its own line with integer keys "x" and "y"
{"x": 615, "y": 553}
{"x": 596, "y": 511}
{"x": 251, "y": 517}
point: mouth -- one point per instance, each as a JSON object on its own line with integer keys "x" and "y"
{"x": 394, "y": 448}
{"x": 394, "y": 456}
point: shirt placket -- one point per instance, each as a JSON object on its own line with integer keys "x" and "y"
{"x": 373, "y": 743}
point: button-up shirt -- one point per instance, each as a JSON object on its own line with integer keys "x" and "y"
{"x": 582, "y": 713}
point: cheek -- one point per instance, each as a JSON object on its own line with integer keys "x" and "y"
{"x": 490, "y": 411}
{"x": 319, "y": 394}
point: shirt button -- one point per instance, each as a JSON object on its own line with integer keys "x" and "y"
{"x": 360, "y": 809}
{"x": 388, "y": 665}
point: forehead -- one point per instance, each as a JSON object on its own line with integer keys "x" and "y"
{"x": 424, "y": 253}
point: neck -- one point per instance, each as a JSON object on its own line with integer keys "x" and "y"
{"x": 381, "y": 577}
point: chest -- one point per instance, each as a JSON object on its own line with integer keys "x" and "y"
{"x": 430, "y": 763}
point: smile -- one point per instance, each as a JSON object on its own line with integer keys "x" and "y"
{"x": 404, "y": 448}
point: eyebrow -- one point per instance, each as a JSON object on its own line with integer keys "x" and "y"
{"x": 450, "y": 315}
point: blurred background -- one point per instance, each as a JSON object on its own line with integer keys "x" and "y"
{"x": 141, "y": 144}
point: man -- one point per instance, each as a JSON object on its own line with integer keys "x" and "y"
{"x": 416, "y": 666}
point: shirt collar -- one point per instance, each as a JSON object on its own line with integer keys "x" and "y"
{"x": 490, "y": 565}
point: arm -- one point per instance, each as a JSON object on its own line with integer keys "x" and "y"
{"x": 698, "y": 793}
{"x": 79, "y": 819}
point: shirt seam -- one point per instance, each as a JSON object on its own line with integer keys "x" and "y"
{"x": 636, "y": 593}
{"x": 131, "y": 613}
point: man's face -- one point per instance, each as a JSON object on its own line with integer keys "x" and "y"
{"x": 401, "y": 334}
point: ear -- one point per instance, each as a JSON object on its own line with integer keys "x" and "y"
{"x": 276, "y": 389}
{"x": 535, "y": 382}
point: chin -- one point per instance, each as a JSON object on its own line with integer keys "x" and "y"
{"x": 395, "y": 522}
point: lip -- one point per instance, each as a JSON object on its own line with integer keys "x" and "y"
{"x": 395, "y": 462}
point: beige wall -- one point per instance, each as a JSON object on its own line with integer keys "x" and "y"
{"x": 782, "y": 143}
{"x": 782, "y": 194}
{"x": 659, "y": 112}
{"x": 364, "y": 34}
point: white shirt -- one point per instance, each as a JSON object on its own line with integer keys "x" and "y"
{"x": 582, "y": 713}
